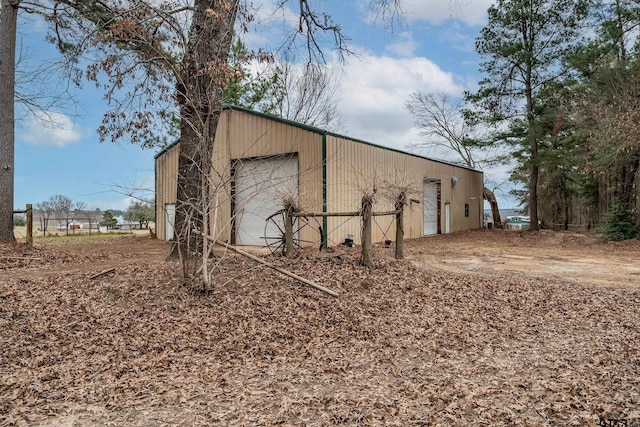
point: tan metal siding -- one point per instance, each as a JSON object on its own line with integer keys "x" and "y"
{"x": 166, "y": 185}
{"x": 353, "y": 167}
{"x": 251, "y": 136}
{"x": 167, "y": 180}
{"x": 221, "y": 204}
{"x": 241, "y": 135}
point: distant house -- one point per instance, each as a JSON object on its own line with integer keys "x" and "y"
{"x": 517, "y": 222}
{"x": 128, "y": 225}
{"x": 125, "y": 225}
{"x": 259, "y": 159}
{"x": 72, "y": 225}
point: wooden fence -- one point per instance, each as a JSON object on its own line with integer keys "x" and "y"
{"x": 28, "y": 211}
{"x": 366, "y": 213}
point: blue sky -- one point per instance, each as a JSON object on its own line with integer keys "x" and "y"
{"x": 432, "y": 50}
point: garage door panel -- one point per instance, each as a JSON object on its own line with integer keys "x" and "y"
{"x": 430, "y": 208}
{"x": 261, "y": 185}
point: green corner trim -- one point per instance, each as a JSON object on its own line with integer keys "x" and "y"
{"x": 324, "y": 190}
{"x": 155, "y": 194}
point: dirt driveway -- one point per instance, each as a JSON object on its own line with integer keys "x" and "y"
{"x": 583, "y": 258}
{"x": 578, "y": 257}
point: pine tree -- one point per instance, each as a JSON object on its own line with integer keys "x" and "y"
{"x": 523, "y": 47}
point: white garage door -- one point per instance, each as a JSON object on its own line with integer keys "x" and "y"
{"x": 260, "y": 187}
{"x": 430, "y": 208}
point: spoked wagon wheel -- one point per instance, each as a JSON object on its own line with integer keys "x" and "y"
{"x": 274, "y": 234}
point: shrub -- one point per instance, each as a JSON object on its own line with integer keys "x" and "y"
{"x": 619, "y": 224}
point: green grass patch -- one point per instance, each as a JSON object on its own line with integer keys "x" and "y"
{"x": 94, "y": 236}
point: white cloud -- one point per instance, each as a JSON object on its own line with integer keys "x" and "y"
{"x": 458, "y": 38}
{"x": 471, "y": 12}
{"x": 271, "y": 20}
{"x": 50, "y": 128}
{"x": 405, "y": 46}
{"x": 265, "y": 11}
{"x": 374, "y": 92}
{"x": 103, "y": 205}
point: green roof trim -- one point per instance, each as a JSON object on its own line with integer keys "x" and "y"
{"x": 165, "y": 149}
{"x": 321, "y": 132}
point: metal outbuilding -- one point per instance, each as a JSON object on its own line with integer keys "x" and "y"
{"x": 261, "y": 159}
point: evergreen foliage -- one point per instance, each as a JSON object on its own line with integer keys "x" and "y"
{"x": 108, "y": 220}
{"x": 140, "y": 212}
{"x": 619, "y": 224}
{"x": 257, "y": 91}
{"x": 523, "y": 47}
{"x": 561, "y": 88}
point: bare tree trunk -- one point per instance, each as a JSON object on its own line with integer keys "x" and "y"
{"x": 533, "y": 196}
{"x": 288, "y": 231}
{"x": 400, "y": 202}
{"x": 627, "y": 174}
{"x": 8, "y": 24}
{"x": 495, "y": 211}
{"x": 533, "y": 137}
{"x": 535, "y": 169}
{"x": 367, "y": 246}
{"x": 200, "y": 92}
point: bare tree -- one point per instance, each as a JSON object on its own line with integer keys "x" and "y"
{"x": 607, "y": 108}
{"x": 174, "y": 56}
{"x": 167, "y": 63}
{"x": 62, "y": 207}
{"x": 8, "y": 23}
{"x": 41, "y": 86}
{"x": 440, "y": 121}
{"x": 23, "y": 87}
{"x": 312, "y": 93}
{"x": 170, "y": 55}
{"x": 45, "y": 209}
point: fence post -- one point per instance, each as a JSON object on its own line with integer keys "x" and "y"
{"x": 400, "y": 202}
{"x": 288, "y": 230}
{"x": 29, "y": 212}
{"x": 367, "y": 258}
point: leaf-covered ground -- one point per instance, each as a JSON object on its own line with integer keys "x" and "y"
{"x": 405, "y": 344}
